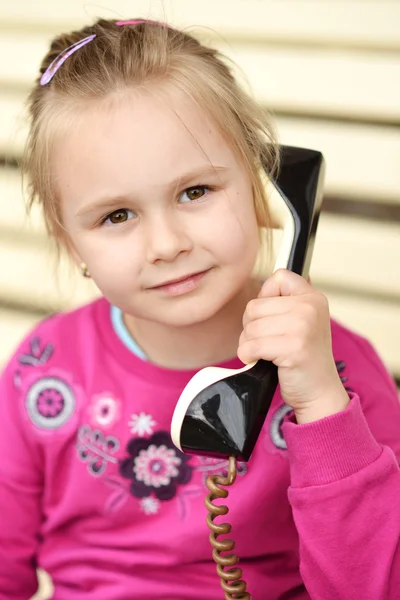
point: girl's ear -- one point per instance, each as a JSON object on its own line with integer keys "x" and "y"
{"x": 71, "y": 250}
{"x": 77, "y": 259}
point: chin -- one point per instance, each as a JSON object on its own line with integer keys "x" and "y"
{"x": 193, "y": 311}
{"x": 186, "y": 318}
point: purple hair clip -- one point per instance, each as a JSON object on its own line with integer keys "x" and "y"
{"x": 137, "y": 21}
{"x": 62, "y": 57}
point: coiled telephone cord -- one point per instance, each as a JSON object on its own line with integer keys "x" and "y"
{"x": 230, "y": 575}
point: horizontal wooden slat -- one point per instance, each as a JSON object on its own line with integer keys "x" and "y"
{"x": 340, "y": 84}
{"x": 13, "y": 124}
{"x": 14, "y": 326}
{"x": 14, "y": 216}
{"x": 362, "y": 161}
{"x": 359, "y": 255}
{"x": 27, "y": 50}
{"x": 30, "y": 275}
{"x": 354, "y": 23}
{"x": 376, "y": 320}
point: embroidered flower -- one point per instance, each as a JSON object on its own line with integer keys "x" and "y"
{"x": 104, "y": 411}
{"x": 39, "y": 355}
{"x": 150, "y": 505}
{"x": 217, "y": 466}
{"x": 142, "y": 424}
{"x": 52, "y": 400}
{"x": 50, "y": 403}
{"x": 96, "y": 449}
{"x": 155, "y": 466}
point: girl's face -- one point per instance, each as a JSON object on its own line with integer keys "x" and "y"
{"x": 151, "y": 193}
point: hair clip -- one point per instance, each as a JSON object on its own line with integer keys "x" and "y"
{"x": 62, "y": 57}
{"x": 137, "y": 21}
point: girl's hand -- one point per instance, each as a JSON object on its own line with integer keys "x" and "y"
{"x": 289, "y": 324}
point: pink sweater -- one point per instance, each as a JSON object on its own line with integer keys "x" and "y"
{"x": 93, "y": 491}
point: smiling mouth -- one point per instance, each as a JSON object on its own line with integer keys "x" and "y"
{"x": 179, "y": 280}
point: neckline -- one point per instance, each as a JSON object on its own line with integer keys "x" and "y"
{"x": 117, "y": 320}
{"x": 136, "y": 365}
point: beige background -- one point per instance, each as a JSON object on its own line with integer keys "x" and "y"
{"x": 330, "y": 70}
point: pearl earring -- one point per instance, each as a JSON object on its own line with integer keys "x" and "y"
{"x": 84, "y": 270}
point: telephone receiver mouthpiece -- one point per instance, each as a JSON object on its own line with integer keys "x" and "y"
{"x": 221, "y": 411}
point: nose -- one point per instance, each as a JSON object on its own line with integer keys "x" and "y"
{"x": 166, "y": 238}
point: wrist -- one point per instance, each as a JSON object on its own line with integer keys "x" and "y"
{"x": 327, "y": 405}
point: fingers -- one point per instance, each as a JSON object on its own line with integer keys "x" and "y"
{"x": 266, "y": 349}
{"x": 273, "y": 325}
{"x": 294, "y": 323}
{"x": 259, "y": 308}
{"x": 264, "y": 307}
{"x": 274, "y": 339}
{"x": 284, "y": 283}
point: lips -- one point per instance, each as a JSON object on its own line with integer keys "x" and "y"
{"x": 178, "y": 280}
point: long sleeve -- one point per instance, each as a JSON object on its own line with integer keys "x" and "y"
{"x": 20, "y": 496}
{"x": 345, "y": 492}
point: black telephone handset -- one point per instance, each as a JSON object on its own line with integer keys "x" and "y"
{"x": 220, "y": 412}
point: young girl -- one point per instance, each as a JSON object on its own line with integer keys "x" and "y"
{"x": 145, "y": 154}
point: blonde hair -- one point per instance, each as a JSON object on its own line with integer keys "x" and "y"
{"x": 122, "y": 57}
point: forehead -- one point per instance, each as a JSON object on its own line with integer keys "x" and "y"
{"x": 151, "y": 136}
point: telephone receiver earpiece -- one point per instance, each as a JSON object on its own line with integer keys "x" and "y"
{"x": 220, "y": 412}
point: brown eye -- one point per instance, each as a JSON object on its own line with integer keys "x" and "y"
{"x": 194, "y": 193}
{"x": 119, "y": 216}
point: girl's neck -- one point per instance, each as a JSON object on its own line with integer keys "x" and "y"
{"x": 206, "y": 343}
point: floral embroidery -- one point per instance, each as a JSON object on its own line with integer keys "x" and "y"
{"x": 277, "y": 420}
{"x": 150, "y": 505}
{"x": 104, "y": 411}
{"x": 155, "y": 466}
{"x": 142, "y": 424}
{"x": 96, "y": 449}
{"x": 50, "y": 402}
{"x": 17, "y": 379}
{"x": 38, "y": 355}
{"x": 119, "y": 495}
{"x": 340, "y": 366}
{"x": 218, "y": 466}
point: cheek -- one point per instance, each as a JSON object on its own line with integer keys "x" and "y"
{"x": 116, "y": 278}
{"x": 114, "y": 261}
{"x": 235, "y": 234}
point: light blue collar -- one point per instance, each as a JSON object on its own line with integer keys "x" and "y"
{"x": 117, "y": 320}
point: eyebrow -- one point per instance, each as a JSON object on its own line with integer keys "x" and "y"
{"x": 172, "y": 186}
